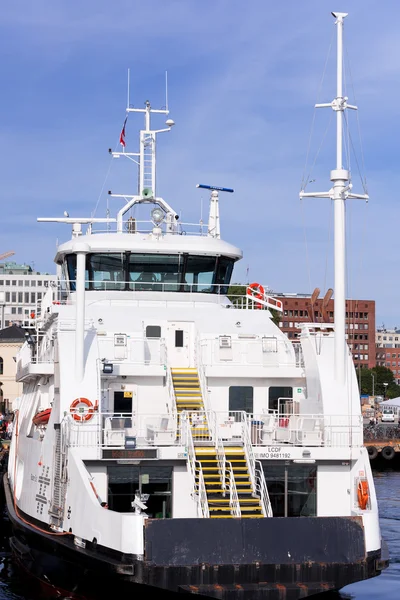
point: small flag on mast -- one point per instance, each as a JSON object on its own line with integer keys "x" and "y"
{"x": 122, "y": 134}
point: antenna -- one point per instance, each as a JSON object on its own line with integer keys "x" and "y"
{"x": 213, "y": 219}
{"x": 166, "y": 91}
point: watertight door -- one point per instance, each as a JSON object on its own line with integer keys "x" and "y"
{"x": 179, "y": 341}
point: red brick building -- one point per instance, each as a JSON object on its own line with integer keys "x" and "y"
{"x": 360, "y": 322}
{"x": 388, "y": 350}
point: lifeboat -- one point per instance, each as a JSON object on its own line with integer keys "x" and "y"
{"x": 42, "y": 417}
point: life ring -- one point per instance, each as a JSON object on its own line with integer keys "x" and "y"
{"x": 388, "y": 452}
{"x": 363, "y": 494}
{"x": 372, "y": 452}
{"x": 256, "y": 290}
{"x": 80, "y": 414}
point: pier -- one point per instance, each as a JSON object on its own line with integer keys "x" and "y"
{"x": 382, "y": 440}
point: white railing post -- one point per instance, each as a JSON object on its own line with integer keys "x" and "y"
{"x": 199, "y": 488}
{"x": 258, "y": 482}
{"x": 234, "y": 503}
{"x": 262, "y": 489}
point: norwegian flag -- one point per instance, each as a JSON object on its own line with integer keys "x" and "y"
{"x": 122, "y": 134}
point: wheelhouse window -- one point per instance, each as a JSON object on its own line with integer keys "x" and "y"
{"x": 154, "y": 272}
{"x": 106, "y": 271}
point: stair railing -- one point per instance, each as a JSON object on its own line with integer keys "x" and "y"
{"x": 234, "y": 503}
{"x": 202, "y": 492}
{"x": 211, "y": 416}
{"x": 248, "y": 449}
{"x": 256, "y": 472}
{"x": 262, "y": 490}
{"x": 199, "y": 488}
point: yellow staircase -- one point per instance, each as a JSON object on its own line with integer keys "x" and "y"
{"x": 189, "y": 398}
{"x": 218, "y": 503}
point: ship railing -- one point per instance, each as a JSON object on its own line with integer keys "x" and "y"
{"x": 211, "y": 416}
{"x": 38, "y": 349}
{"x": 332, "y": 431}
{"x": 233, "y": 493}
{"x": 248, "y": 450}
{"x": 201, "y": 491}
{"x": 256, "y": 475}
{"x": 194, "y": 466}
{"x": 143, "y": 226}
{"x": 124, "y": 430}
{"x": 232, "y": 297}
{"x": 120, "y": 430}
{"x": 262, "y": 490}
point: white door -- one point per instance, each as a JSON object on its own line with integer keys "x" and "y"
{"x": 179, "y": 344}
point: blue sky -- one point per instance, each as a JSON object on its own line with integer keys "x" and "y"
{"x": 243, "y": 79}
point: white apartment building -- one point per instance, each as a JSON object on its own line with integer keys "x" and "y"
{"x": 20, "y": 289}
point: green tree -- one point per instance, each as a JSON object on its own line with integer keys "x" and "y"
{"x": 372, "y": 380}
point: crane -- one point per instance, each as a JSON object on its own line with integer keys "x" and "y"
{"x": 7, "y": 254}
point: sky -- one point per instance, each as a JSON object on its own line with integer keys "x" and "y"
{"x": 243, "y": 80}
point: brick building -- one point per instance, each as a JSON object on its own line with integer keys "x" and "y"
{"x": 388, "y": 350}
{"x": 360, "y": 322}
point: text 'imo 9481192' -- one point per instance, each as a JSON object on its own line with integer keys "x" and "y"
{"x": 166, "y": 423}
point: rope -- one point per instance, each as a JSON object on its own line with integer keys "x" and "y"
{"x": 304, "y": 180}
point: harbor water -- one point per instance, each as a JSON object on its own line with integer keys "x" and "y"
{"x": 15, "y": 585}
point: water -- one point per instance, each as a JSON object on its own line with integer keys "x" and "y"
{"x": 14, "y": 586}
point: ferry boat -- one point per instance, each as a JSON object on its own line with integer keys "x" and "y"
{"x": 169, "y": 434}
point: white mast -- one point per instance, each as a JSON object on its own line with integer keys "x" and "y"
{"x": 340, "y": 191}
{"x": 146, "y": 160}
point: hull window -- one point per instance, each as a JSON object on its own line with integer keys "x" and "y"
{"x": 125, "y": 481}
{"x": 292, "y": 489}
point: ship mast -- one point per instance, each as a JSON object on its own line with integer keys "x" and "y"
{"x": 146, "y": 161}
{"x": 340, "y": 191}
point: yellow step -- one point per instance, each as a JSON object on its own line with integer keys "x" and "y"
{"x": 252, "y": 516}
{"x": 242, "y": 500}
{"x": 222, "y": 508}
{"x": 221, "y": 517}
{"x": 250, "y": 508}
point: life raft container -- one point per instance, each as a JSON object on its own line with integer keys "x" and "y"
{"x": 363, "y": 494}
{"x": 80, "y": 413}
{"x": 42, "y": 417}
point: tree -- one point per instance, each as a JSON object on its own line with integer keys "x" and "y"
{"x": 372, "y": 380}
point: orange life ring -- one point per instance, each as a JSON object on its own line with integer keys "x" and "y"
{"x": 256, "y": 290}
{"x": 363, "y": 494}
{"x": 79, "y": 416}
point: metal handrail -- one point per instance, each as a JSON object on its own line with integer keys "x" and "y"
{"x": 262, "y": 490}
{"x": 234, "y": 503}
{"x": 212, "y": 422}
{"x": 199, "y": 488}
{"x": 248, "y": 449}
{"x": 202, "y": 492}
